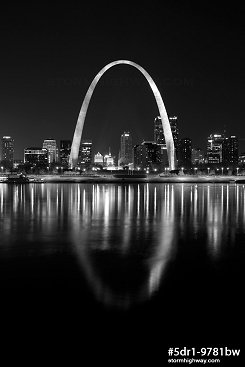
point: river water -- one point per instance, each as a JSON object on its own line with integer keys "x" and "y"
{"x": 126, "y": 267}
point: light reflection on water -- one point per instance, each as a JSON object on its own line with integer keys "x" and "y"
{"x": 122, "y": 235}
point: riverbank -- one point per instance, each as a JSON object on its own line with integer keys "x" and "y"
{"x": 132, "y": 179}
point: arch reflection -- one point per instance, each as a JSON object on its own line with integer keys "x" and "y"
{"x": 125, "y": 260}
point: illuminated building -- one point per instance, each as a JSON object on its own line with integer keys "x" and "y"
{"x": 108, "y": 160}
{"x": 230, "y": 151}
{"x": 214, "y": 148}
{"x": 8, "y": 151}
{"x": 185, "y": 152}
{"x": 158, "y": 131}
{"x": 126, "y": 153}
{"x": 85, "y": 154}
{"x": 99, "y": 159}
{"x": 65, "y": 150}
{"x": 18, "y": 163}
{"x": 173, "y": 120}
{"x": 159, "y": 135}
{"x": 50, "y": 145}
{"x": 241, "y": 159}
{"x": 163, "y": 156}
{"x": 197, "y": 156}
{"x": 147, "y": 155}
{"x": 36, "y": 156}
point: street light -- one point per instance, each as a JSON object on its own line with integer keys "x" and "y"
{"x": 195, "y": 170}
{"x": 222, "y": 169}
{"x": 208, "y": 170}
{"x": 237, "y": 169}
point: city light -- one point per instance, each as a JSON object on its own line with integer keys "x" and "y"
{"x": 150, "y": 156}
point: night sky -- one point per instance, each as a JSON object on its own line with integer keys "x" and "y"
{"x": 50, "y": 54}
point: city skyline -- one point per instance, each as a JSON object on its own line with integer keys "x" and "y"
{"x": 178, "y": 134}
{"x": 221, "y": 150}
{"x": 201, "y": 142}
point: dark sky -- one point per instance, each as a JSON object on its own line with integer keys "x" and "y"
{"x": 50, "y": 54}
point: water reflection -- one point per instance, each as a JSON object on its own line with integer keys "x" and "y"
{"x": 124, "y": 242}
{"x": 122, "y": 235}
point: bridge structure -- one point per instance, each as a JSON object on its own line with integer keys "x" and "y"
{"x": 162, "y": 112}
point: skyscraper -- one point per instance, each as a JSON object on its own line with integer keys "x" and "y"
{"x": 8, "y": 151}
{"x": 173, "y": 120}
{"x": 50, "y": 145}
{"x": 147, "y": 155}
{"x": 159, "y": 135}
{"x": 158, "y": 131}
{"x": 230, "y": 151}
{"x": 85, "y": 154}
{"x": 185, "y": 152}
{"x": 65, "y": 150}
{"x": 214, "y": 148}
{"x": 126, "y": 152}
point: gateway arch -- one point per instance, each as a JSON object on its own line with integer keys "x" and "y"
{"x": 162, "y": 112}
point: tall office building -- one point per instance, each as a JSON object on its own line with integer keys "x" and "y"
{"x": 197, "y": 156}
{"x": 8, "y": 150}
{"x": 50, "y": 145}
{"x": 65, "y": 150}
{"x": 230, "y": 151}
{"x": 85, "y": 154}
{"x": 173, "y": 120}
{"x": 126, "y": 152}
{"x": 214, "y": 148}
{"x": 158, "y": 131}
{"x": 185, "y": 152}
{"x": 147, "y": 155}
{"x": 36, "y": 156}
{"x": 159, "y": 135}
